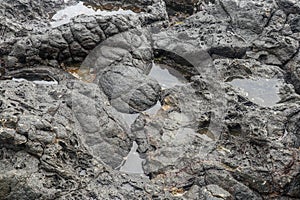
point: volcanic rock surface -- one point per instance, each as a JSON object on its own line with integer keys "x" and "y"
{"x": 75, "y": 97}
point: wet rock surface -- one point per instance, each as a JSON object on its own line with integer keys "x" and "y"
{"x": 78, "y": 100}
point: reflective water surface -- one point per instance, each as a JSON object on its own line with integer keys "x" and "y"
{"x": 133, "y": 162}
{"x": 64, "y": 16}
{"x": 129, "y": 118}
{"x": 154, "y": 109}
{"x": 263, "y": 92}
{"x": 39, "y": 82}
{"x": 166, "y": 76}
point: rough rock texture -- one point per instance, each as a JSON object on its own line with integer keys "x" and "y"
{"x": 48, "y": 131}
{"x": 208, "y": 140}
{"x": 72, "y": 42}
{"x": 293, "y": 72}
{"x": 128, "y": 90}
{"x": 120, "y": 65}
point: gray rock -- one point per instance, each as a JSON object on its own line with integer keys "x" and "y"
{"x": 274, "y": 49}
{"x": 68, "y": 133}
{"x": 289, "y": 6}
{"x": 128, "y": 90}
{"x": 210, "y": 139}
{"x": 81, "y": 35}
{"x": 126, "y": 85}
{"x": 214, "y": 192}
{"x": 293, "y": 72}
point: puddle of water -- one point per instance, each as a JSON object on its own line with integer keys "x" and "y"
{"x": 46, "y": 82}
{"x": 263, "y": 92}
{"x": 154, "y": 109}
{"x": 38, "y": 82}
{"x": 166, "y": 76}
{"x": 64, "y": 16}
{"x": 133, "y": 162}
{"x": 129, "y": 118}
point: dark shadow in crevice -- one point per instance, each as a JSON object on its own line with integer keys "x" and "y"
{"x": 175, "y": 61}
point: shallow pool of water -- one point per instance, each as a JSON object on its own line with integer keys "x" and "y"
{"x": 263, "y": 92}
{"x": 154, "y": 109}
{"x": 166, "y": 76}
{"x": 128, "y": 118}
{"x": 39, "y": 82}
{"x": 64, "y": 16}
{"x": 133, "y": 162}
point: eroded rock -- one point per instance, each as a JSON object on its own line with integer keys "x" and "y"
{"x": 208, "y": 138}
